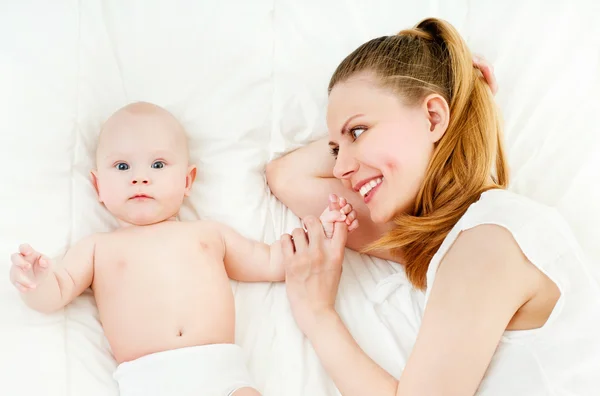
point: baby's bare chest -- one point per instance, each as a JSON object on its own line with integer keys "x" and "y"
{"x": 161, "y": 254}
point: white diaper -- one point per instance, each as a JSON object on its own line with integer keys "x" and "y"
{"x": 207, "y": 370}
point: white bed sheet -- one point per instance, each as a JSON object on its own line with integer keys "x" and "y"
{"x": 248, "y": 80}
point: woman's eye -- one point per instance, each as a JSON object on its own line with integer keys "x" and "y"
{"x": 357, "y": 131}
{"x": 122, "y": 166}
{"x": 158, "y": 165}
{"x": 334, "y": 151}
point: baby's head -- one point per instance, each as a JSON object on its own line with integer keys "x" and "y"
{"x": 142, "y": 165}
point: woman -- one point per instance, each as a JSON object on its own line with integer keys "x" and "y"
{"x": 510, "y": 308}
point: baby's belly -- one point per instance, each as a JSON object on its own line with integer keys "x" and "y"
{"x": 149, "y": 307}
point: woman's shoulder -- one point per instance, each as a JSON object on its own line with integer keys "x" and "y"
{"x": 506, "y": 208}
{"x": 504, "y": 223}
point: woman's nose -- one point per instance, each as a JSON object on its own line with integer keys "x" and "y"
{"x": 345, "y": 165}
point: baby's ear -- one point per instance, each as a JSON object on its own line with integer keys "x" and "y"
{"x": 189, "y": 179}
{"x": 94, "y": 177}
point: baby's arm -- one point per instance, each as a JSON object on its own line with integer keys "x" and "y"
{"x": 48, "y": 285}
{"x": 252, "y": 261}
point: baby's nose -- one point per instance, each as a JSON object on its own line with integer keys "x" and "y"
{"x": 139, "y": 180}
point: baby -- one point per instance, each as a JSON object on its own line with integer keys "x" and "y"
{"x": 161, "y": 285}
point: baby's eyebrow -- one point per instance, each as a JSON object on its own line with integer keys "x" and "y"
{"x": 162, "y": 153}
{"x": 114, "y": 156}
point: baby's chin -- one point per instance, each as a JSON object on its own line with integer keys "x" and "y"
{"x": 144, "y": 219}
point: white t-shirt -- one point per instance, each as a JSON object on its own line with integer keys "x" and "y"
{"x": 563, "y": 356}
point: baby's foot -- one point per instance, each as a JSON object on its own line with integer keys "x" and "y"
{"x": 337, "y": 211}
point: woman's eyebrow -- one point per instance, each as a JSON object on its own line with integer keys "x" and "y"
{"x": 345, "y": 126}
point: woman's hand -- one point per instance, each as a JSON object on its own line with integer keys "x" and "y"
{"x": 313, "y": 267}
{"x": 488, "y": 72}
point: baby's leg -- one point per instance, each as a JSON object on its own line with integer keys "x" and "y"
{"x": 246, "y": 392}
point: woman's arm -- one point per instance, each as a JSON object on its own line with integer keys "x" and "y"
{"x": 303, "y": 180}
{"x": 352, "y": 371}
{"x": 479, "y": 287}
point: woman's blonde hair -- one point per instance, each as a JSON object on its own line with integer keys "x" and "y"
{"x": 468, "y": 160}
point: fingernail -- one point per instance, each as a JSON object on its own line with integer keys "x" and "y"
{"x": 331, "y": 198}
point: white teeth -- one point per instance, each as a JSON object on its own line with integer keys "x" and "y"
{"x": 364, "y": 190}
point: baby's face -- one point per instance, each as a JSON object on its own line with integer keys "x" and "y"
{"x": 143, "y": 172}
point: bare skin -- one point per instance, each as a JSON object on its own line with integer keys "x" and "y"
{"x": 376, "y": 138}
{"x": 159, "y": 283}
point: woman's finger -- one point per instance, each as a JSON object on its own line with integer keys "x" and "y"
{"x": 340, "y": 235}
{"x": 287, "y": 246}
{"x": 300, "y": 242}
{"x": 315, "y": 231}
{"x": 488, "y": 72}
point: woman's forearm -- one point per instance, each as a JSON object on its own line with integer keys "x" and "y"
{"x": 353, "y": 372}
{"x": 303, "y": 179}
{"x": 312, "y": 160}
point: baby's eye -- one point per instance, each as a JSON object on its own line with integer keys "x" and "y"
{"x": 357, "y": 131}
{"x": 122, "y": 166}
{"x": 158, "y": 164}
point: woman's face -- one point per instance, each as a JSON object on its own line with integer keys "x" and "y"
{"x": 383, "y": 146}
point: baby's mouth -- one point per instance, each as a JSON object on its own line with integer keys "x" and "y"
{"x": 140, "y": 197}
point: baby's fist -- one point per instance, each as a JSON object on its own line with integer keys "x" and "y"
{"x": 338, "y": 210}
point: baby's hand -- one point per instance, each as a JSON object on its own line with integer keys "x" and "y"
{"x": 337, "y": 211}
{"x": 28, "y": 268}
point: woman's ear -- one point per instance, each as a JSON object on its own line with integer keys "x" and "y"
{"x": 438, "y": 116}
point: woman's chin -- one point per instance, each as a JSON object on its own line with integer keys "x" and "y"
{"x": 379, "y": 216}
